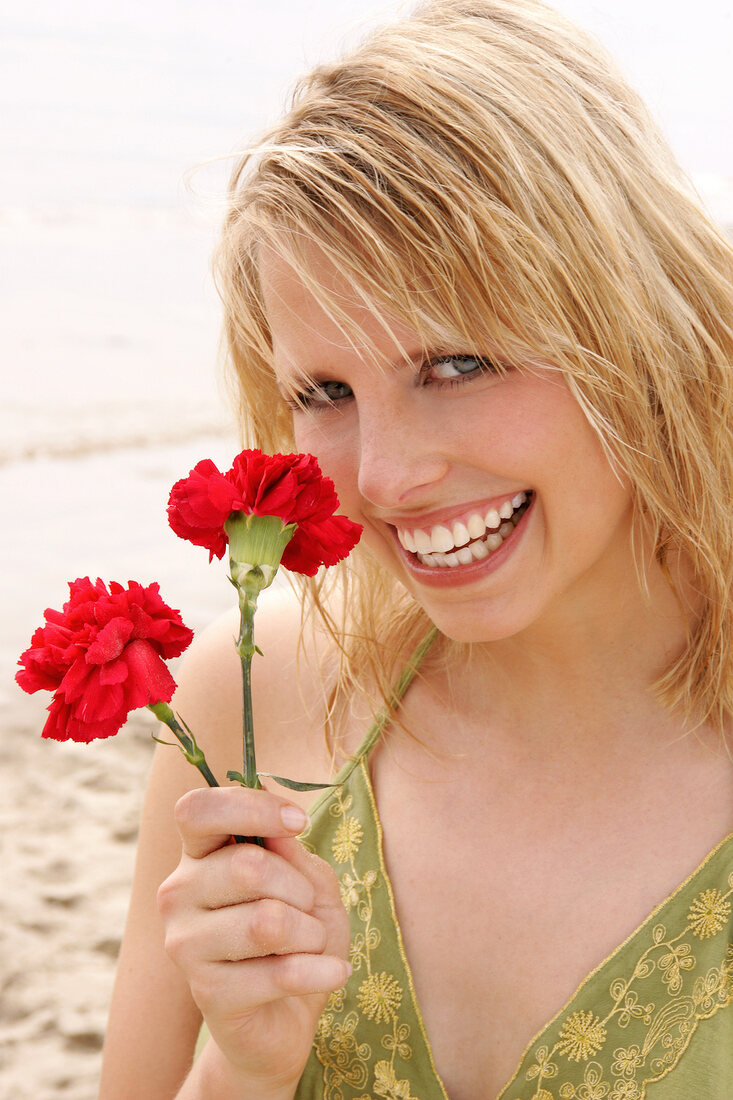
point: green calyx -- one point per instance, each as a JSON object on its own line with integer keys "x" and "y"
{"x": 256, "y": 543}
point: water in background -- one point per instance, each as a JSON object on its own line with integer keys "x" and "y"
{"x": 110, "y": 317}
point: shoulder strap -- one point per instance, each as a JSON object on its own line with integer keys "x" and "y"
{"x": 377, "y": 727}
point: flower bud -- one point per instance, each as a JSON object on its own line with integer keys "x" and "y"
{"x": 256, "y": 542}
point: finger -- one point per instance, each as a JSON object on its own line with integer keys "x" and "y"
{"x": 328, "y": 906}
{"x": 208, "y": 817}
{"x": 239, "y": 932}
{"x": 242, "y": 987}
{"x": 320, "y": 874}
{"x": 245, "y": 872}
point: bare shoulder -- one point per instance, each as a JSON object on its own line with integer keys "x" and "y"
{"x": 290, "y": 682}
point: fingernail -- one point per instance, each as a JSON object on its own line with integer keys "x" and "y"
{"x": 293, "y": 818}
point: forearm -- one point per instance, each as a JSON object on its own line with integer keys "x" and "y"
{"x": 214, "y": 1078}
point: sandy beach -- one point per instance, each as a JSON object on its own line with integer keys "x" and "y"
{"x": 69, "y": 813}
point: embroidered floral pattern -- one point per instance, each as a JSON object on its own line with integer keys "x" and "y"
{"x": 581, "y": 1035}
{"x": 387, "y": 1085}
{"x": 370, "y": 1013}
{"x": 625, "y": 1089}
{"x": 349, "y": 836}
{"x": 708, "y": 914}
{"x": 379, "y": 997}
{"x": 592, "y": 1087}
{"x": 626, "y": 1062}
{"x": 542, "y": 1066}
{"x": 650, "y": 1034}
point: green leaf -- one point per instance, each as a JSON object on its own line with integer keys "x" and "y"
{"x": 160, "y": 741}
{"x": 236, "y": 777}
{"x": 295, "y": 785}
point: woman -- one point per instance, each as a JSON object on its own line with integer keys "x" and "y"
{"x": 466, "y": 274}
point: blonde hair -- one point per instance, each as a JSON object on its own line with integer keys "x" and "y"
{"x": 481, "y": 169}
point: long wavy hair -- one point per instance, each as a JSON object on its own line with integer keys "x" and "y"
{"x": 481, "y": 170}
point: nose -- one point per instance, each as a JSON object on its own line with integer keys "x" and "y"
{"x": 400, "y": 458}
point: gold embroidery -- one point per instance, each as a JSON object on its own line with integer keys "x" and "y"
{"x": 387, "y": 1085}
{"x": 625, "y": 1089}
{"x": 592, "y": 1087}
{"x": 347, "y": 839}
{"x": 379, "y": 997}
{"x": 543, "y": 1066}
{"x": 626, "y": 1061}
{"x": 347, "y": 1059}
{"x": 677, "y": 959}
{"x": 662, "y": 1030}
{"x": 581, "y": 1035}
{"x": 708, "y": 914}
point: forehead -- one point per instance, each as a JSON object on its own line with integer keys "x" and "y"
{"x": 317, "y": 317}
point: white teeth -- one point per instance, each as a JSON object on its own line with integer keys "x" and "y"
{"x": 441, "y": 540}
{"x": 407, "y": 540}
{"x": 476, "y": 526}
{"x": 423, "y": 542}
{"x": 465, "y": 542}
{"x": 461, "y": 534}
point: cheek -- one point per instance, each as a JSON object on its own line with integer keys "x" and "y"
{"x": 335, "y": 455}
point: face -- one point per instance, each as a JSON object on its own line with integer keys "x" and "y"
{"x": 486, "y": 493}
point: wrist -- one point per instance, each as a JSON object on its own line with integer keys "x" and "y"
{"x": 213, "y": 1077}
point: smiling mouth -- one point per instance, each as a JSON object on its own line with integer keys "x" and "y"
{"x": 464, "y": 543}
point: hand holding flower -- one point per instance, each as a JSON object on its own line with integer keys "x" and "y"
{"x": 259, "y": 933}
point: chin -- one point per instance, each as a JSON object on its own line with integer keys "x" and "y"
{"x": 477, "y": 628}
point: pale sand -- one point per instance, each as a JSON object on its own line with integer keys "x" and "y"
{"x": 69, "y": 812}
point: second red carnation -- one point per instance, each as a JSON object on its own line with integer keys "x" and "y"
{"x": 103, "y": 655}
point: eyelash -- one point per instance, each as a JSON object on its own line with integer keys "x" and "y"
{"x": 307, "y": 400}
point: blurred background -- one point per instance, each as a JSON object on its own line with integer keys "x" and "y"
{"x": 116, "y": 122}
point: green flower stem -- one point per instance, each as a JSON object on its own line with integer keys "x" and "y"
{"x": 249, "y": 587}
{"x": 189, "y": 747}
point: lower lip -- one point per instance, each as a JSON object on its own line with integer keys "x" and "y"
{"x": 447, "y": 576}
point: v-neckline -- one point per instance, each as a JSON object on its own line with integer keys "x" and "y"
{"x": 363, "y": 760}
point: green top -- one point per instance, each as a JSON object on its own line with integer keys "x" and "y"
{"x": 652, "y": 1022}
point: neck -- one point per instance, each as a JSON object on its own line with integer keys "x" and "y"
{"x": 585, "y": 667}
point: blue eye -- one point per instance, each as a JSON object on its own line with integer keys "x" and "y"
{"x": 323, "y": 395}
{"x": 449, "y": 368}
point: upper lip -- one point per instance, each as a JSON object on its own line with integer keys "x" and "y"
{"x": 445, "y": 516}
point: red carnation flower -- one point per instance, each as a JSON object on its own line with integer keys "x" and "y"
{"x": 290, "y": 487}
{"x": 103, "y": 656}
